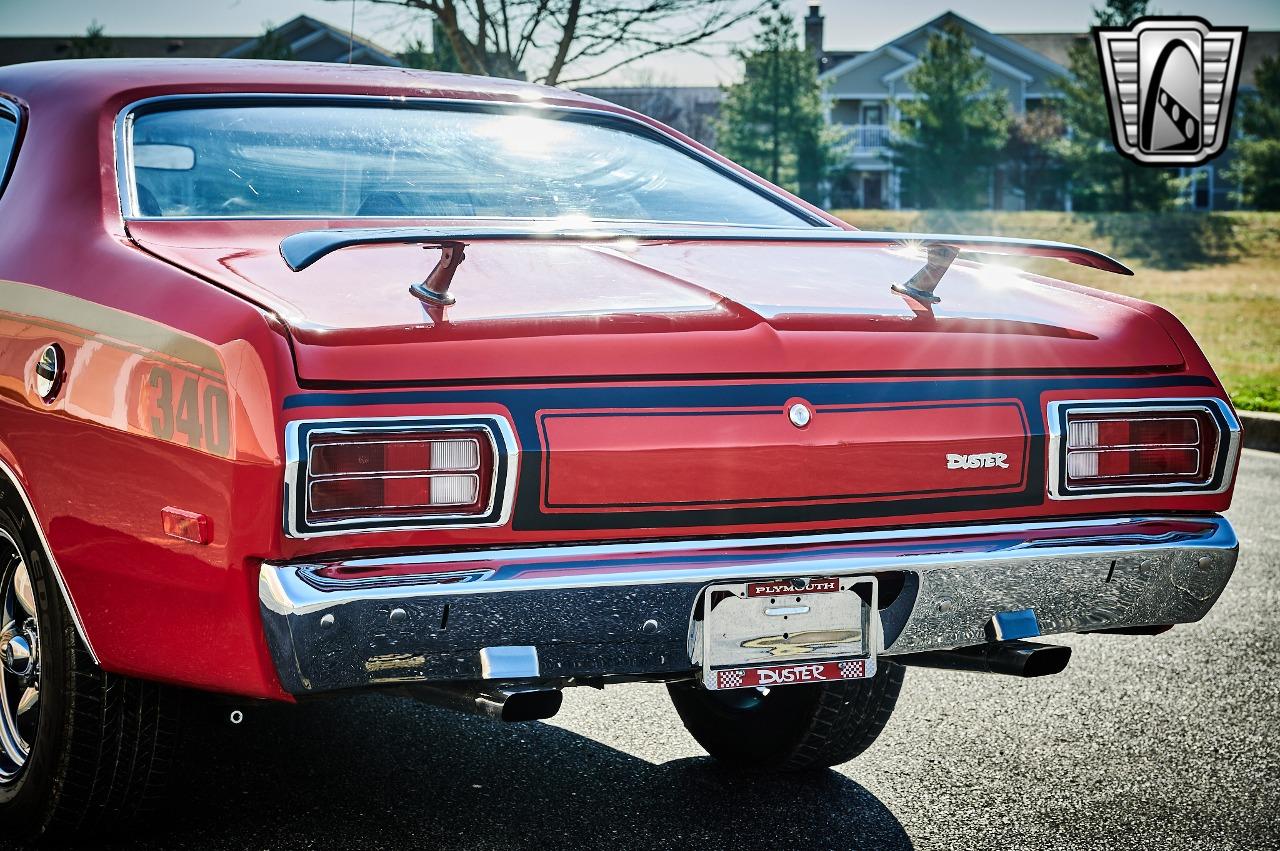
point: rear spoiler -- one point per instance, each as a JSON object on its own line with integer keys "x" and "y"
{"x": 300, "y": 250}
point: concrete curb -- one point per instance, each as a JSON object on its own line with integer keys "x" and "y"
{"x": 1261, "y": 430}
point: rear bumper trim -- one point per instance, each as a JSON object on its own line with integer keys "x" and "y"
{"x": 624, "y": 610}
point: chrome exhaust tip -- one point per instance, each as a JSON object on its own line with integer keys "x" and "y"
{"x": 529, "y": 705}
{"x": 1012, "y": 658}
{"x": 510, "y": 703}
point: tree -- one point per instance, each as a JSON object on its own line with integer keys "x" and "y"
{"x": 1102, "y": 179}
{"x": 563, "y": 42}
{"x": 1032, "y": 154}
{"x": 270, "y": 45}
{"x": 1257, "y": 152}
{"x": 951, "y": 135}
{"x": 417, "y": 54}
{"x": 773, "y": 121}
{"x": 92, "y": 44}
{"x": 439, "y": 57}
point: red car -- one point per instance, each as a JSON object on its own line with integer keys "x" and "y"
{"x": 318, "y": 378}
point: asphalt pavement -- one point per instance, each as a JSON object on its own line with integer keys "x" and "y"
{"x": 1144, "y": 742}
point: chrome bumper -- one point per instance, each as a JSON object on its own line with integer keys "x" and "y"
{"x": 624, "y": 611}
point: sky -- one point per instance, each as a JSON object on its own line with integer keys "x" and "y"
{"x": 850, "y": 24}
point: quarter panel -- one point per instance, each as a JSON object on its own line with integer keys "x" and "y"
{"x": 169, "y": 400}
{"x": 146, "y": 418}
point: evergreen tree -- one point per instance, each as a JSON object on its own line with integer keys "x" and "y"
{"x": 439, "y": 58}
{"x": 1032, "y": 154}
{"x": 1257, "y": 165}
{"x": 953, "y": 132}
{"x": 416, "y": 54}
{"x": 92, "y": 44}
{"x": 773, "y": 121}
{"x": 270, "y": 45}
{"x": 1102, "y": 179}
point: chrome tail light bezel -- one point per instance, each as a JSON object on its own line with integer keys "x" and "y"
{"x": 1221, "y": 469}
{"x": 297, "y": 445}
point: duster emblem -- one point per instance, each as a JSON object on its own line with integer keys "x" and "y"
{"x": 973, "y": 462}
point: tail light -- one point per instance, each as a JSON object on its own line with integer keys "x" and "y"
{"x": 377, "y": 475}
{"x": 1105, "y": 449}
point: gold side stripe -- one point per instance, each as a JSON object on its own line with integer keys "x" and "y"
{"x": 106, "y": 323}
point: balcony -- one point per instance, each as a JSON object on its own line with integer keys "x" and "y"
{"x": 866, "y": 139}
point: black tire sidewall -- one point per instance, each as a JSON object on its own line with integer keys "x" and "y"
{"x": 795, "y": 727}
{"x": 757, "y": 737}
{"x": 26, "y": 801}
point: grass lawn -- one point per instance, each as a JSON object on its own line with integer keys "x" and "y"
{"x": 1219, "y": 273}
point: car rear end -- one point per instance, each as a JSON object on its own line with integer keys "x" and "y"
{"x": 542, "y": 435}
{"x": 474, "y": 391}
{"x": 720, "y": 543}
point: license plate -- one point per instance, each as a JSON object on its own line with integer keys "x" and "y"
{"x": 788, "y": 631}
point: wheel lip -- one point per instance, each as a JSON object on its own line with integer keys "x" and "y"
{"x": 15, "y": 750}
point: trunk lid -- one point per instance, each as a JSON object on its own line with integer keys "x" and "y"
{"x": 559, "y": 309}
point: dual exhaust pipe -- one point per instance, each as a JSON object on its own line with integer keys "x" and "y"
{"x": 513, "y": 702}
{"x": 1012, "y": 658}
{"x": 497, "y": 701}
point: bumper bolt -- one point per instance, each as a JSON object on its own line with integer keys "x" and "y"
{"x": 327, "y": 621}
{"x": 398, "y": 616}
{"x": 946, "y": 606}
{"x": 649, "y": 627}
{"x": 1204, "y": 563}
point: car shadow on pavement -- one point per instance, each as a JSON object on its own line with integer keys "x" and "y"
{"x": 379, "y": 772}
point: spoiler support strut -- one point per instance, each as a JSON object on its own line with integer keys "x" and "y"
{"x": 434, "y": 290}
{"x": 924, "y": 282}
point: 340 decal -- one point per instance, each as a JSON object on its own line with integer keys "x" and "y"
{"x": 183, "y": 406}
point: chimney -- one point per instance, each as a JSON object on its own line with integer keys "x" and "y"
{"x": 813, "y": 32}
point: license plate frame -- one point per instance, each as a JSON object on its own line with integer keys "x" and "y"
{"x": 767, "y": 633}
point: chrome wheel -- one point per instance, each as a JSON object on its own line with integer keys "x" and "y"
{"x": 19, "y": 660}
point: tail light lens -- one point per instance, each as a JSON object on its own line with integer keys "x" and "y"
{"x": 386, "y": 477}
{"x": 1106, "y": 450}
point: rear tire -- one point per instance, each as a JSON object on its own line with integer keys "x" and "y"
{"x": 791, "y": 728}
{"x": 97, "y": 751}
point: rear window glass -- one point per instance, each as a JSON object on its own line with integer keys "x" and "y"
{"x": 372, "y": 161}
{"x": 8, "y": 141}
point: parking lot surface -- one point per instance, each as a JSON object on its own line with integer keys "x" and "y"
{"x": 1144, "y": 742}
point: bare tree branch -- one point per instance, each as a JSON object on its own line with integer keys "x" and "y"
{"x": 573, "y": 41}
{"x": 567, "y": 34}
{"x": 505, "y": 44}
{"x": 526, "y": 37}
{"x": 645, "y": 44}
